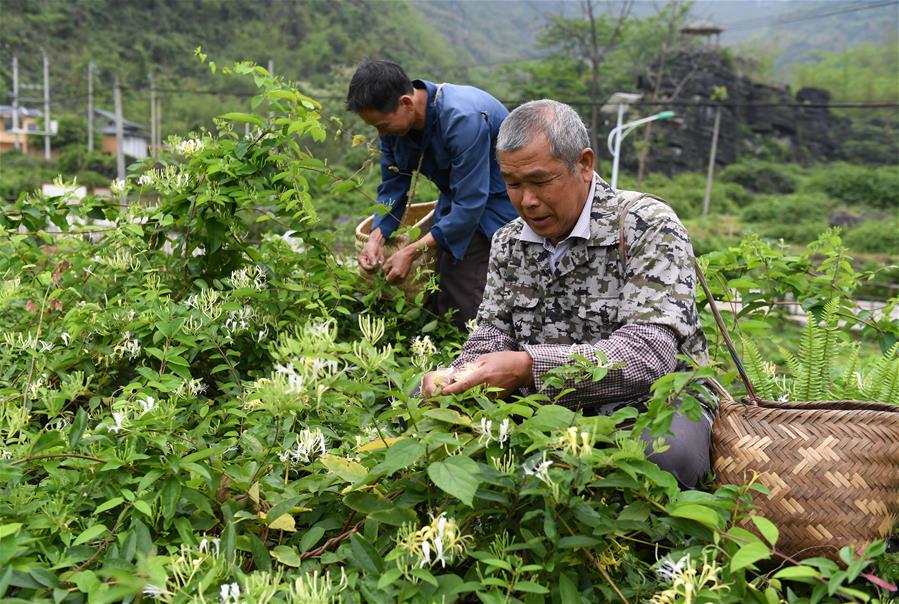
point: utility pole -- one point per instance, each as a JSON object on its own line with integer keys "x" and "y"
{"x": 90, "y": 106}
{"x": 158, "y": 123}
{"x": 46, "y": 105}
{"x": 719, "y": 95}
{"x": 152, "y": 116}
{"x": 119, "y": 131}
{"x": 15, "y": 101}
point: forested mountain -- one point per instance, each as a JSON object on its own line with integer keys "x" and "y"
{"x": 314, "y": 41}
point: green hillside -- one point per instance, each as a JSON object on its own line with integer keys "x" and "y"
{"x": 315, "y": 42}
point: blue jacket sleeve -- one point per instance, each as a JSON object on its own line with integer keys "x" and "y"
{"x": 468, "y": 141}
{"x": 391, "y": 192}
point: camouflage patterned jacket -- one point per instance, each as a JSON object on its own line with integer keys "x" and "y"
{"x": 592, "y": 299}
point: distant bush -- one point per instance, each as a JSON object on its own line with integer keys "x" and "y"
{"x": 74, "y": 159}
{"x": 877, "y": 187}
{"x": 685, "y": 192}
{"x": 23, "y": 173}
{"x": 760, "y": 176}
{"x": 795, "y": 218}
{"x": 874, "y": 237}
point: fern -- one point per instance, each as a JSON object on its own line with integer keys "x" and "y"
{"x": 758, "y": 372}
{"x": 881, "y": 383}
{"x": 829, "y": 326}
{"x": 849, "y": 384}
{"x": 809, "y": 384}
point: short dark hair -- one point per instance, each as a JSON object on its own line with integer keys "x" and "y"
{"x": 377, "y": 85}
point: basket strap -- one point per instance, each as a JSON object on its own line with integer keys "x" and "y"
{"x": 727, "y": 340}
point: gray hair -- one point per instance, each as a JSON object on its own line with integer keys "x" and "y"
{"x": 559, "y": 123}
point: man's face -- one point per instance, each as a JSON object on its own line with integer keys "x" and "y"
{"x": 546, "y": 194}
{"x": 395, "y": 123}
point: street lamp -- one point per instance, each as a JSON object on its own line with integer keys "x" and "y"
{"x": 619, "y": 102}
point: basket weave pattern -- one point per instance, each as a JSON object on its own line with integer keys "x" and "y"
{"x": 832, "y": 469}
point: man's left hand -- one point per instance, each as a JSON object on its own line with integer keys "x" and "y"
{"x": 507, "y": 370}
{"x": 397, "y": 267}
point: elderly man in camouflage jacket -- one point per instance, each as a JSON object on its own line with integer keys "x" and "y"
{"x": 558, "y": 284}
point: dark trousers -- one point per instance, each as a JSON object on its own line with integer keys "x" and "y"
{"x": 462, "y": 283}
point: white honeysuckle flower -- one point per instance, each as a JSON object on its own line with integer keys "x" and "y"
{"x": 229, "y": 593}
{"x": 65, "y": 337}
{"x": 425, "y": 553}
{"x": 147, "y": 404}
{"x": 4, "y": 454}
{"x": 119, "y": 419}
{"x": 45, "y": 346}
{"x": 155, "y": 592}
{"x": 539, "y": 470}
{"x": 289, "y": 374}
{"x": 503, "y": 432}
{"x": 118, "y": 187}
{"x": 210, "y": 546}
{"x": 310, "y": 444}
{"x": 668, "y": 569}
{"x": 485, "y": 430}
{"x": 422, "y": 351}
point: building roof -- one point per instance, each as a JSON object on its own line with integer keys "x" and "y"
{"x": 701, "y": 28}
{"x": 110, "y": 116}
{"x": 6, "y": 110}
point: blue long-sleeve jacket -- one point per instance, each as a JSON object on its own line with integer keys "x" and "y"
{"x": 459, "y": 140}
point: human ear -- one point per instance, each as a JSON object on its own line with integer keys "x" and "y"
{"x": 585, "y": 164}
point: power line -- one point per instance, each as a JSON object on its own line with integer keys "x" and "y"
{"x": 756, "y": 23}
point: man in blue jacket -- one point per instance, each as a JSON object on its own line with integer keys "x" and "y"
{"x": 450, "y": 131}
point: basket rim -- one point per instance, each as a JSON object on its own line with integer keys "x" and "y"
{"x": 824, "y": 405}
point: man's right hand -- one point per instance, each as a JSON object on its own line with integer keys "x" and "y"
{"x": 372, "y": 255}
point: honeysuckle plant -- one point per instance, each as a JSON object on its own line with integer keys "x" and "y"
{"x": 197, "y": 408}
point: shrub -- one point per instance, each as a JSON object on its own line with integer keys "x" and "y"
{"x": 760, "y": 176}
{"x": 875, "y": 237}
{"x": 876, "y": 187}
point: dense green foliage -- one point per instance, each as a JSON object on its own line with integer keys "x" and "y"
{"x": 194, "y": 410}
{"x": 863, "y": 74}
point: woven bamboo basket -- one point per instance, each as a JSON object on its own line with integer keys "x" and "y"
{"x": 419, "y": 215}
{"x": 831, "y": 467}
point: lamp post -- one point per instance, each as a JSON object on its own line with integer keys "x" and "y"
{"x": 619, "y": 102}
{"x": 623, "y": 130}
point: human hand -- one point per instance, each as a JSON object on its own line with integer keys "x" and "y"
{"x": 506, "y": 370}
{"x": 436, "y": 379}
{"x": 372, "y": 254}
{"x": 399, "y": 265}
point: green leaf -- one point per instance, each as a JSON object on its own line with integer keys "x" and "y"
{"x": 9, "y": 529}
{"x": 749, "y": 554}
{"x": 389, "y": 576}
{"x": 365, "y": 555}
{"x": 530, "y": 587}
{"x": 804, "y": 574}
{"x": 568, "y": 589}
{"x": 550, "y": 418}
{"x": 400, "y": 455}
{"x": 450, "y": 416}
{"x": 287, "y": 556}
{"x": 249, "y": 118}
{"x": 310, "y": 538}
{"x": 367, "y": 502}
{"x": 699, "y": 513}
{"x": 143, "y": 507}
{"x": 457, "y": 476}
{"x": 347, "y": 469}
{"x": 109, "y": 504}
{"x": 78, "y": 426}
{"x": 577, "y": 541}
{"x": 767, "y": 529}
{"x": 90, "y": 534}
